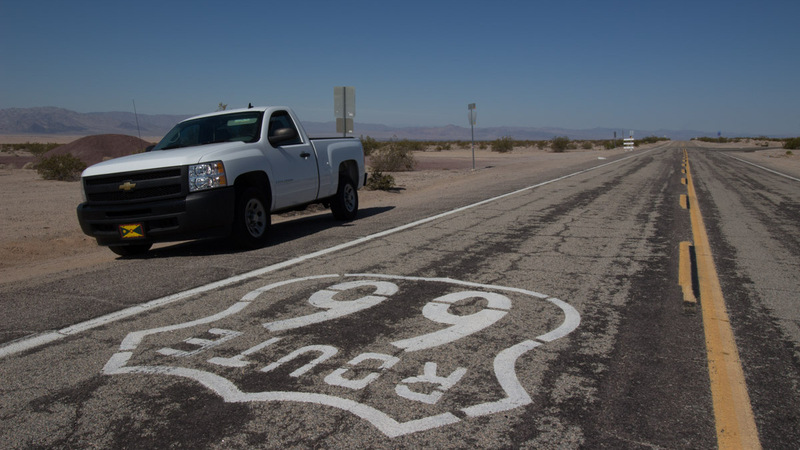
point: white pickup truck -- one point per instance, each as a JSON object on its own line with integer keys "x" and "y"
{"x": 218, "y": 175}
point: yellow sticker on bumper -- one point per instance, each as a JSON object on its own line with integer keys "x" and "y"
{"x": 131, "y": 231}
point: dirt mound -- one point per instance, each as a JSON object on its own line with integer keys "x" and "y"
{"x": 14, "y": 161}
{"x": 94, "y": 149}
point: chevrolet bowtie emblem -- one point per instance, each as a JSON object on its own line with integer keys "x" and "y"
{"x": 127, "y": 186}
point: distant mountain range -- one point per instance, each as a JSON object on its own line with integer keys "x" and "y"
{"x": 59, "y": 121}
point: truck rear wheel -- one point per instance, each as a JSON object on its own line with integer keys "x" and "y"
{"x": 345, "y": 204}
{"x": 252, "y": 218}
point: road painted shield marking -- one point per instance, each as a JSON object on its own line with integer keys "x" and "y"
{"x": 420, "y": 361}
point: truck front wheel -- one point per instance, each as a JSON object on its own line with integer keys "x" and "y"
{"x": 252, "y": 219}
{"x": 345, "y": 204}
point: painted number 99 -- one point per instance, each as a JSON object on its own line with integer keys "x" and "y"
{"x": 437, "y": 310}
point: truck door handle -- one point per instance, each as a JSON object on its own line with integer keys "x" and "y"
{"x": 305, "y": 155}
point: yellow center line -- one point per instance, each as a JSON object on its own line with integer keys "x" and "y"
{"x": 685, "y": 274}
{"x": 733, "y": 414}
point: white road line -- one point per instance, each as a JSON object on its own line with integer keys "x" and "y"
{"x": 763, "y": 168}
{"x": 41, "y": 339}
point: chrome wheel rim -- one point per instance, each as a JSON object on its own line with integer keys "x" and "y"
{"x": 255, "y": 218}
{"x": 349, "y": 198}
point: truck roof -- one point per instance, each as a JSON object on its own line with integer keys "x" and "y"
{"x": 232, "y": 111}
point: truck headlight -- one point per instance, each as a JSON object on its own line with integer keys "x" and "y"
{"x": 207, "y": 176}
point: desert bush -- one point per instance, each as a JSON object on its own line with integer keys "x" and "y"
{"x": 650, "y": 140}
{"x": 608, "y": 145}
{"x": 587, "y": 145}
{"x": 392, "y": 157}
{"x": 541, "y": 144}
{"x": 792, "y": 144}
{"x": 503, "y": 145}
{"x": 60, "y": 167}
{"x": 443, "y": 146}
{"x": 560, "y": 144}
{"x": 409, "y": 145}
{"x": 379, "y": 181}
{"x": 369, "y": 145}
{"x": 33, "y": 147}
{"x": 721, "y": 140}
{"x": 482, "y": 145}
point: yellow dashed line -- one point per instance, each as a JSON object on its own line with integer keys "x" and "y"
{"x": 733, "y": 414}
{"x": 685, "y": 274}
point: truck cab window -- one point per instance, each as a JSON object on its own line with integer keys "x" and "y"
{"x": 281, "y": 119}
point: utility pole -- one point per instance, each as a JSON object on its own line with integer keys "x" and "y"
{"x": 473, "y": 118}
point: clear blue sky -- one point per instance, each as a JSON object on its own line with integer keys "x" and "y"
{"x": 731, "y": 66}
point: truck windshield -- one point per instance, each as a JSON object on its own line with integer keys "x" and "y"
{"x": 243, "y": 127}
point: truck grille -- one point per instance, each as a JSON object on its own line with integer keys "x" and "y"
{"x": 136, "y": 186}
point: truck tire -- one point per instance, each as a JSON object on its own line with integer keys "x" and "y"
{"x": 252, "y": 219}
{"x": 344, "y": 205}
{"x": 130, "y": 250}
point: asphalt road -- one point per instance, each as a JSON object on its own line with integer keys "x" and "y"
{"x": 753, "y": 220}
{"x": 515, "y": 309}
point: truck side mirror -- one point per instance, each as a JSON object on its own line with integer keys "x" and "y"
{"x": 282, "y": 135}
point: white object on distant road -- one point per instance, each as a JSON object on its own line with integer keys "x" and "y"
{"x": 628, "y": 143}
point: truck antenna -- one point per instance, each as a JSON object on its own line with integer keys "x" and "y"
{"x": 137, "y": 119}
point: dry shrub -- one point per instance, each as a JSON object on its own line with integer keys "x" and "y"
{"x": 793, "y": 144}
{"x": 392, "y": 157}
{"x": 503, "y": 145}
{"x": 560, "y": 144}
{"x": 379, "y": 181}
{"x": 60, "y": 167}
{"x": 369, "y": 145}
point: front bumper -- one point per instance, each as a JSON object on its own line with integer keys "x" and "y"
{"x": 198, "y": 215}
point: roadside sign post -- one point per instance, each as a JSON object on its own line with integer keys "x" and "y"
{"x": 344, "y": 108}
{"x": 629, "y": 142}
{"x": 473, "y": 118}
